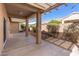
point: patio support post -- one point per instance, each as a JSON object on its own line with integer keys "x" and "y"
{"x": 38, "y": 28}
{"x": 26, "y": 29}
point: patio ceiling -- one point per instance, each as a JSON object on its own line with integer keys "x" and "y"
{"x": 26, "y": 10}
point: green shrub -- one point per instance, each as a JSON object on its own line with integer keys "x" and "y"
{"x": 54, "y": 22}
{"x": 33, "y": 28}
{"x": 72, "y": 32}
{"x": 23, "y": 27}
{"x": 53, "y": 26}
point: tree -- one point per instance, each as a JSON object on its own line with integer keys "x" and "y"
{"x": 54, "y": 22}
{"x": 53, "y": 26}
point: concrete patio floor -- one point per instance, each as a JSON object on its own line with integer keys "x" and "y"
{"x": 20, "y": 45}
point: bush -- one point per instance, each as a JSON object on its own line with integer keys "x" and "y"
{"x": 53, "y": 27}
{"x": 23, "y": 27}
{"x": 33, "y": 28}
{"x": 54, "y": 22}
{"x": 72, "y": 33}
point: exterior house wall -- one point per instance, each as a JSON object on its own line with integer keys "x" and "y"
{"x": 44, "y": 27}
{"x": 74, "y": 17}
{"x": 14, "y": 27}
{"x": 68, "y": 21}
{"x": 3, "y": 14}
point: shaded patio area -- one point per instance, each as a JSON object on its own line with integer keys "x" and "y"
{"x": 19, "y": 44}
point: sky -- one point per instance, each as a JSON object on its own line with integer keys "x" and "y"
{"x": 58, "y": 13}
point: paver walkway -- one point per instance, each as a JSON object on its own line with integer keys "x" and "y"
{"x": 61, "y": 43}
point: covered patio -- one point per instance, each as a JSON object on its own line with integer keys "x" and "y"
{"x": 24, "y": 43}
{"x": 30, "y": 10}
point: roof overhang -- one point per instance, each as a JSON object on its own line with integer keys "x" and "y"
{"x": 72, "y": 21}
{"x": 44, "y": 8}
{"x": 27, "y": 10}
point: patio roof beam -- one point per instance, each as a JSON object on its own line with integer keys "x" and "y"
{"x": 40, "y": 6}
{"x": 53, "y": 7}
{"x": 30, "y": 15}
{"x": 37, "y": 6}
{"x": 48, "y": 4}
{"x": 16, "y": 16}
{"x": 50, "y": 8}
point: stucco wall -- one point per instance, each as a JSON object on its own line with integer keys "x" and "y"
{"x": 44, "y": 27}
{"x": 14, "y": 27}
{"x": 3, "y": 14}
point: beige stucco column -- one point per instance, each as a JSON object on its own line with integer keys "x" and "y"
{"x": 26, "y": 31}
{"x": 38, "y": 28}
